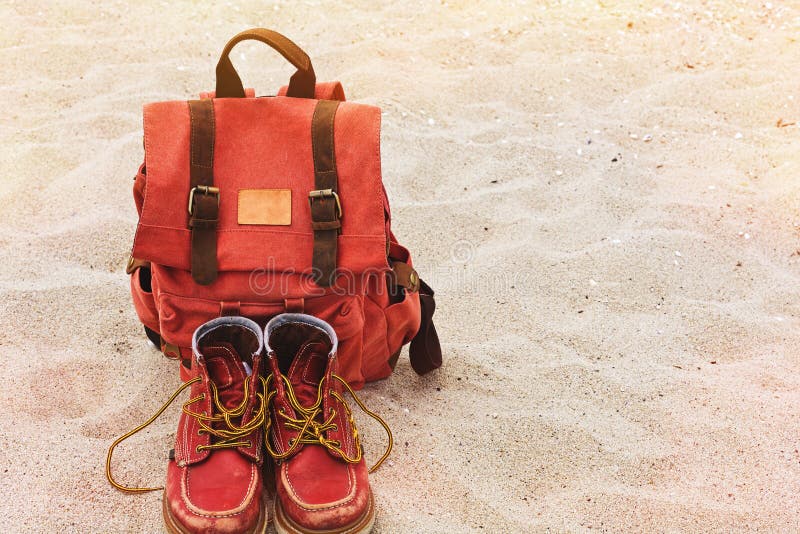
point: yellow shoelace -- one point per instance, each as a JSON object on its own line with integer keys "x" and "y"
{"x": 312, "y": 431}
{"x": 230, "y": 436}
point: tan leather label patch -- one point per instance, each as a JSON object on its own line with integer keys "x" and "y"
{"x": 265, "y": 206}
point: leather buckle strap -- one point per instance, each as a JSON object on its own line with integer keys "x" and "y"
{"x": 326, "y": 207}
{"x": 203, "y": 203}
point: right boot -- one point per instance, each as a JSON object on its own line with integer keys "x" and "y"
{"x": 321, "y": 477}
{"x": 214, "y": 478}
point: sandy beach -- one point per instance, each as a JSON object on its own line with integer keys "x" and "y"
{"x": 604, "y": 195}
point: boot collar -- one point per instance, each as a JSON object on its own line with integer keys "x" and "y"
{"x": 220, "y": 322}
{"x": 300, "y": 318}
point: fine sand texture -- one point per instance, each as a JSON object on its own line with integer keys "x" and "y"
{"x": 604, "y": 195}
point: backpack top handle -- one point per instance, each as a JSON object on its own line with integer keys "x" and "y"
{"x": 302, "y": 82}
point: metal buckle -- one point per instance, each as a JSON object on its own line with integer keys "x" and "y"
{"x": 202, "y": 189}
{"x": 413, "y": 280}
{"x": 134, "y": 264}
{"x": 326, "y": 193}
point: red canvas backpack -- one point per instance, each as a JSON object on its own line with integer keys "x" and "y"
{"x": 257, "y": 206}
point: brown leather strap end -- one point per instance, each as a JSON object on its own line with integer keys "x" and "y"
{"x": 323, "y": 258}
{"x": 205, "y": 242}
{"x": 204, "y": 239}
{"x": 425, "y": 351}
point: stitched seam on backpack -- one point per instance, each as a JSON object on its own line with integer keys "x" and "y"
{"x": 266, "y": 230}
{"x": 333, "y": 145}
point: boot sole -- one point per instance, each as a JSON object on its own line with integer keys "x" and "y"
{"x": 173, "y": 527}
{"x": 284, "y": 525}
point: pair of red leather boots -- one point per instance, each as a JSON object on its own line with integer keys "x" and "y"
{"x": 263, "y": 406}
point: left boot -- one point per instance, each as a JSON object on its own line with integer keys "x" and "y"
{"x": 321, "y": 477}
{"x": 214, "y": 481}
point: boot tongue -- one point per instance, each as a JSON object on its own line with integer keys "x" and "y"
{"x": 307, "y": 370}
{"x": 227, "y": 371}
